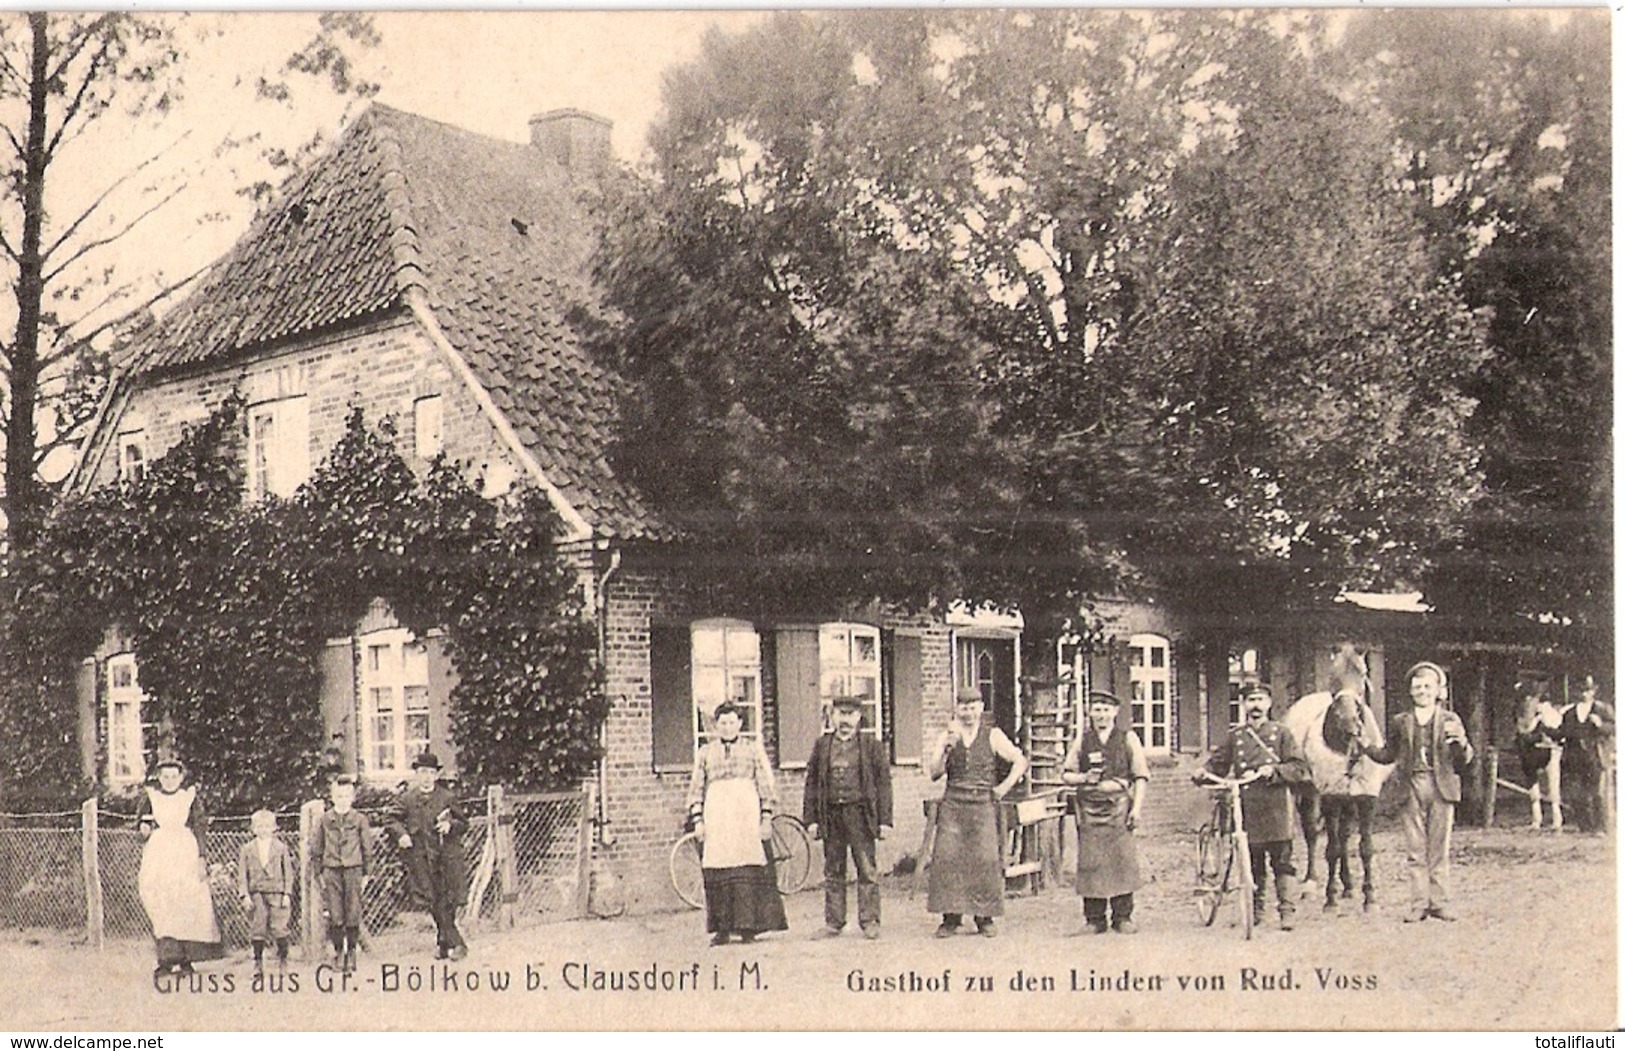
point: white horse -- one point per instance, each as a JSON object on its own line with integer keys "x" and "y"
{"x": 1331, "y": 729}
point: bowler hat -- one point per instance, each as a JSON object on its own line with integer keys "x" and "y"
{"x": 426, "y": 760}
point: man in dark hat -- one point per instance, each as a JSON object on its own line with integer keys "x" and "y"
{"x": 1107, "y": 764}
{"x": 428, "y": 827}
{"x": 1261, "y": 746}
{"x": 847, "y": 802}
{"x": 1585, "y": 731}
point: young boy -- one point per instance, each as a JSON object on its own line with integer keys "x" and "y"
{"x": 847, "y": 801}
{"x": 265, "y": 874}
{"x": 342, "y": 846}
{"x": 1107, "y": 764}
{"x": 1429, "y": 748}
{"x": 428, "y": 826}
{"x": 1262, "y": 746}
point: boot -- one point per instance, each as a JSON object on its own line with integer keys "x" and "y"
{"x": 259, "y": 956}
{"x": 1286, "y": 898}
{"x": 281, "y": 954}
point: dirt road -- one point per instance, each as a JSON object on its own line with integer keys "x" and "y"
{"x": 1535, "y": 948}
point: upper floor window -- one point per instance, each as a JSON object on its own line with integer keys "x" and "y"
{"x": 278, "y": 447}
{"x": 394, "y": 701}
{"x": 132, "y": 456}
{"x": 126, "y": 755}
{"x": 428, "y": 427}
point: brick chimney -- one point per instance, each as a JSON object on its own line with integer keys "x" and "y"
{"x": 576, "y": 139}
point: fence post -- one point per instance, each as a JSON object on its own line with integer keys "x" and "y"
{"x": 1492, "y": 760}
{"x": 507, "y": 872}
{"x": 584, "y": 852}
{"x": 310, "y": 909}
{"x": 90, "y": 859}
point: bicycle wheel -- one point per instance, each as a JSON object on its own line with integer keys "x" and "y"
{"x": 792, "y": 853}
{"x": 1244, "y": 880}
{"x": 1211, "y": 869}
{"x": 687, "y": 877}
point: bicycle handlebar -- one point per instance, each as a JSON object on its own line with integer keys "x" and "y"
{"x": 1215, "y": 781}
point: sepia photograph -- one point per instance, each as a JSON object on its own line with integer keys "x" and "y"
{"x": 1059, "y": 519}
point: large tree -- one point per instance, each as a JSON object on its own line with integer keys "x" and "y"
{"x": 1009, "y": 306}
{"x": 1504, "y": 124}
{"x": 74, "y": 90}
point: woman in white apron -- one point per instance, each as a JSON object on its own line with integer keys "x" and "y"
{"x": 173, "y": 880}
{"x": 731, "y": 799}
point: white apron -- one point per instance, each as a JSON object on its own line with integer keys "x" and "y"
{"x": 171, "y": 883}
{"x": 733, "y": 814}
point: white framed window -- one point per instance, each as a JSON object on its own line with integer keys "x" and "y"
{"x": 278, "y": 447}
{"x": 394, "y": 701}
{"x": 1245, "y": 664}
{"x": 849, "y": 665}
{"x": 727, "y": 666}
{"x": 132, "y": 456}
{"x": 126, "y": 755}
{"x": 1150, "y": 677}
{"x": 428, "y": 427}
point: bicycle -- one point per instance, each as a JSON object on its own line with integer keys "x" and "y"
{"x": 1221, "y": 853}
{"x": 790, "y": 849}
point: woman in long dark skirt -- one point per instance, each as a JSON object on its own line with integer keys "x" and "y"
{"x": 732, "y": 799}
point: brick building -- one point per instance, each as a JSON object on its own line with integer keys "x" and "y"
{"x": 426, "y": 274}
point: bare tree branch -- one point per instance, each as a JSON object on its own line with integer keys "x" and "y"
{"x": 76, "y": 43}
{"x": 163, "y": 293}
{"x": 91, "y": 77}
{"x": 108, "y": 192}
{"x": 102, "y": 242}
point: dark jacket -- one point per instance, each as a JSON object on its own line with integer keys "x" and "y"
{"x": 343, "y": 841}
{"x": 1266, "y": 805}
{"x": 436, "y": 870}
{"x": 874, "y": 778}
{"x": 1404, "y": 736}
{"x": 1582, "y": 739}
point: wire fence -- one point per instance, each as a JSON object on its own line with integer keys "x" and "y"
{"x": 526, "y": 856}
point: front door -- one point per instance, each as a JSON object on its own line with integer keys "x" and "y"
{"x": 989, "y": 665}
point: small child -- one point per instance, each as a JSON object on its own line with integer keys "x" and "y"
{"x": 342, "y": 846}
{"x": 265, "y": 873}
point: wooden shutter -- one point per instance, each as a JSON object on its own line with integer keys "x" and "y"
{"x": 908, "y": 700}
{"x": 800, "y": 708}
{"x": 341, "y": 720}
{"x": 671, "y": 696}
{"x": 1184, "y": 660}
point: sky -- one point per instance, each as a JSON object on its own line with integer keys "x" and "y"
{"x": 485, "y": 71}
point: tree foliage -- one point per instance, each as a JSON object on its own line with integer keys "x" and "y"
{"x": 1504, "y": 126}
{"x": 72, "y": 87}
{"x": 228, "y": 607}
{"x": 1012, "y": 306}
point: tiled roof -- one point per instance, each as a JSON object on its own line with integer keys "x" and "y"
{"x": 496, "y": 236}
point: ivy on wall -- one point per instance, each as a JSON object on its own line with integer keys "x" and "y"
{"x": 229, "y": 605}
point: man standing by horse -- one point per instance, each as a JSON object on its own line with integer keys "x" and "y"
{"x": 1262, "y": 747}
{"x": 1429, "y": 748}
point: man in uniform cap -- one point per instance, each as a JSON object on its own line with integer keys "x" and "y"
{"x": 428, "y": 827}
{"x": 848, "y": 803}
{"x": 1263, "y": 748}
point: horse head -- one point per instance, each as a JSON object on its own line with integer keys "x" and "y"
{"x": 1344, "y": 724}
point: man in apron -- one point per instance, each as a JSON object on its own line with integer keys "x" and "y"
{"x": 1107, "y": 764}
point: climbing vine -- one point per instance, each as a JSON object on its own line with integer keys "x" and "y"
{"x": 229, "y": 605}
